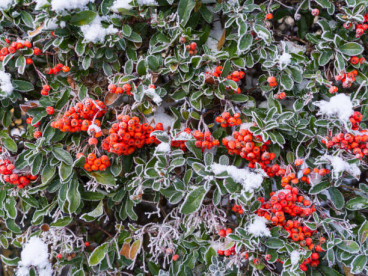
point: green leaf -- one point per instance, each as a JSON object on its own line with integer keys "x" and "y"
{"x": 126, "y": 30}
{"x": 245, "y": 42}
{"x": 141, "y": 67}
{"x": 107, "y": 68}
{"x": 184, "y": 10}
{"x": 62, "y": 222}
{"x": 337, "y": 197}
{"x": 73, "y": 196}
{"x": 10, "y": 207}
{"x": 10, "y": 144}
{"x": 193, "y": 201}
{"x": 274, "y": 243}
{"x": 105, "y": 178}
{"x": 27, "y": 19}
{"x": 349, "y": 246}
{"x": 316, "y": 189}
{"x": 357, "y": 203}
{"x": 83, "y": 18}
{"x": 98, "y": 254}
{"x": 351, "y": 49}
{"x": 22, "y": 86}
{"x": 62, "y": 155}
{"x": 358, "y": 264}
{"x": 80, "y": 48}
{"x": 9, "y": 261}
{"x": 65, "y": 171}
{"x": 286, "y": 81}
{"x": 96, "y": 213}
{"x": 21, "y": 64}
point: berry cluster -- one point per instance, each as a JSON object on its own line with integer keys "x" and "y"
{"x": 234, "y": 76}
{"x": 347, "y": 79}
{"x": 81, "y": 117}
{"x": 128, "y": 135}
{"x": 223, "y": 233}
{"x": 12, "y": 47}
{"x": 227, "y": 120}
{"x": 290, "y": 203}
{"x": 355, "y": 60}
{"x": 10, "y": 176}
{"x": 112, "y": 88}
{"x": 359, "y": 28}
{"x": 57, "y": 68}
{"x": 237, "y": 209}
{"x": 29, "y": 121}
{"x": 45, "y": 90}
{"x": 251, "y": 148}
{"x": 205, "y": 140}
{"x": 192, "y": 48}
{"x": 355, "y": 144}
{"x": 96, "y": 163}
{"x": 280, "y": 96}
{"x": 181, "y": 143}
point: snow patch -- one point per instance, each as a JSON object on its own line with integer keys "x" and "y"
{"x": 95, "y": 32}
{"x": 61, "y": 5}
{"x": 163, "y": 147}
{"x": 258, "y": 227}
{"x": 41, "y": 3}
{"x": 284, "y": 60}
{"x": 339, "y": 105}
{"x": 151, "y": 92}
{"x": 161, "y": 117}
{"x": 5, "y": 83}
{"x": 35, "y": 253}
{"x": 339, "y": 165}
{"x": 215, "y": 34}
{"x": 121, "y": 4}
{"x": 294, "y": 257}
{"x": 5, "y": 4}
{"x": 249, "y": 180}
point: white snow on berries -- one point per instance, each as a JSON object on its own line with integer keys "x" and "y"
{"x": 61, "y": 5}
{"x": 5, "y": 4}
{"x": 258, "y": 227}
{"x": 295, "y": 257}
{"x": 5, "y": 83}
{"x": 35, "y": 253}
{"x": 95, "y": 32}
{"x": 339, "y": 165}
{"x": 249, "y": 180}
{"x": 339, "y": 106}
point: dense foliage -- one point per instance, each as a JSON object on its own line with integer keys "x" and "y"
{"x": 183, "y": 137}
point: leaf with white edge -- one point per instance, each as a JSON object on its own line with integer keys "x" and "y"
{"x": 62, "y": 222}
{"x": 245, "y": 42}
{"x": 193, "y": 201}
{"x": 351, "y": 49}
{"x": 358, "y": 264}
{"x": 96, "y": 213}
{"x": 184, "y": 10}
{"x": 337, "y": 197}
{"x": 357, "y": 203}
{"x": 349, "y": 246}
{"x": 105, "y": 178}
{"x": 22, "y": 86}
{"x": 62, "y": 155}
{"x": 98, "y": 254}
{"x": 274, "y": 243}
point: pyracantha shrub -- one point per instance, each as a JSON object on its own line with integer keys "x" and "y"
{"x": 183, "y": 137}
